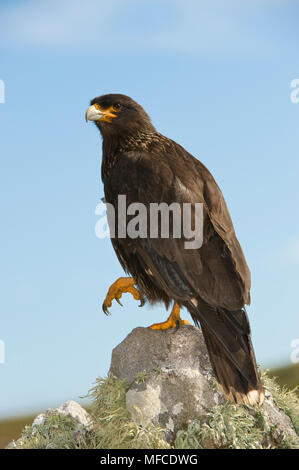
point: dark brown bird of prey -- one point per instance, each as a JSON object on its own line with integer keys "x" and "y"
{"x": 212, "y": 280}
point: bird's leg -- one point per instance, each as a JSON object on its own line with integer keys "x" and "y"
{"x": 117, "y": 289}
{"x": 172, "y": 321}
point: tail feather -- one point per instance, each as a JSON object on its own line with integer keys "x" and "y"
{"x": 227, "y": 336}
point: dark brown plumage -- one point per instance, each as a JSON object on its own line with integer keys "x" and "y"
{"x": 212, "y": 282}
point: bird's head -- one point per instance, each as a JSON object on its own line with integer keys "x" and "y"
{"x": 117, "y": 114}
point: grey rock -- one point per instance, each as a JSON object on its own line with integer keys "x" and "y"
{"x": 172, "y": 382}
{"x": 178, "y": 381}
{"x": 69, "y": 408}
{"x": 276, "y": 420}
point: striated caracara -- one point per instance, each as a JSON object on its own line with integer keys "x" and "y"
{"x": 213, "y": 280}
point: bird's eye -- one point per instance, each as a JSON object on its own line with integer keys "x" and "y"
{"x": 117, "y": 106}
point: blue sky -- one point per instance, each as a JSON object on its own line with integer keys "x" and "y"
{"x": 213, "y": 75}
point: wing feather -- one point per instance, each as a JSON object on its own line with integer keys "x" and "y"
{"x": 217, "y": 271}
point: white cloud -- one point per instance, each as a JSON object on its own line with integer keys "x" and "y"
{"x": 130, "y": 25}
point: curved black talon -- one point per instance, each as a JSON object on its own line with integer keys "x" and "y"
{"x": 105, "y": 310}
{"x": 118, "y": 301}
{"x": 142, "y": 302}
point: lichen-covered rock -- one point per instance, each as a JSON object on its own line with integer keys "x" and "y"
{"x": 69, "y": 408}
{"x": 170, "y": 375}
{"x": 279, "y": 424}
{"x": 162, "y": 393}
{"x": 71, "y": 420}
{"x": 172, "y": 382}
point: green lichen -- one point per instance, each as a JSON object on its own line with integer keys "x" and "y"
{"x": 286, "y": 400}
{"x": 242, "y": 427}
{"x": 56, "y": 432}
{"x": 114, "y": 428}
{"x": 141, "y": 377}
{"x": 225, "y": 426}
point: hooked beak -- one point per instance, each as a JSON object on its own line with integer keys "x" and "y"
{"x": 96, "y": 113}
{"x": 93, "y": 114}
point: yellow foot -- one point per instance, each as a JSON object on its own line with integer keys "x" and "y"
{"x": 173, "y": 321}
{"x": 118, "y": 288}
